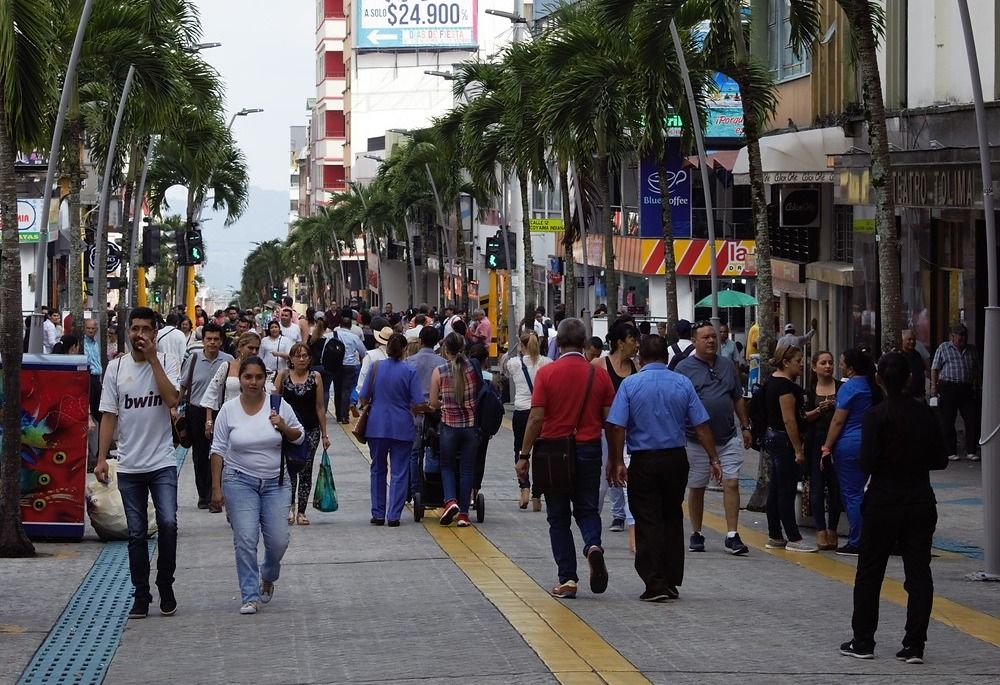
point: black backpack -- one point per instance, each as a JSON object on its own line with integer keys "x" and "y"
{"x": 679, "y": 355}
{"x": 489, "y": 408}
{"x": 329, "y": 354}
{"x": 757, "y": 412}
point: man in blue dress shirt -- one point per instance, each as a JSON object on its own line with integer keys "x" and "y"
{"x": 650, "y": 412}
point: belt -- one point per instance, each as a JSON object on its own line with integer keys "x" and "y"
{"x": 665, "y": 452}
{"x": 942, "y": 381}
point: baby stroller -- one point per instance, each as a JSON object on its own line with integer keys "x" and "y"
{"x": 430, "y": 491}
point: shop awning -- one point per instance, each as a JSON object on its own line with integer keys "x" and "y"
{"x": 721, "y": 159}
{"x": 796, "y": 157}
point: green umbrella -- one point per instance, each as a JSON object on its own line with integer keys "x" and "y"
{"x": 729, "y": 298}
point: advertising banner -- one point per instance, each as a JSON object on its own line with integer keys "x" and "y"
{"x": 29, "y": 223}
{"x": 416, "y": 24}
{"x": 679, "y": 189}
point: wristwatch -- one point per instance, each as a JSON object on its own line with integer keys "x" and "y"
{"x": 744, "y": 428}
{"x": 524, "y": 456}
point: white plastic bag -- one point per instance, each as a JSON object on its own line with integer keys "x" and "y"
{"x": 107, "y": 513}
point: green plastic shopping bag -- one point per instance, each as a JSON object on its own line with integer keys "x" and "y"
{"x": 325, "y": 495}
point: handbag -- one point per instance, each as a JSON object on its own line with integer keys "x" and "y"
{"x": 325, "y": 496}
{"x": 361, "y": 427}
{"x": 553, "y": 460}
{"x": 293, "y": 457}
{"x": 179, "y": 425}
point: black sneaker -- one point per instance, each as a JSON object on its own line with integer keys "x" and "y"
{"x": 654, "y": 596}
{"x": 852, "y": 648}
{"x": 203, "y": 504}
{"x": 140, "y": 609}
{"x": 697, "y": 543}
{"x": 598, "y": 570}
{"x": 617, "y": 526}
{"x": 735, "y": 546}
{"x": 168, "y": 603}
{"x": 847, "y": 551}
{"x": 911, "y": 655}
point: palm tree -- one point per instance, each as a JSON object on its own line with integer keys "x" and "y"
{"x": 26, "y": 93}
{"x": 265, "y": 266}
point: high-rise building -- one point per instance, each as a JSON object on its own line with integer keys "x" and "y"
{"x": 329, "y": 135}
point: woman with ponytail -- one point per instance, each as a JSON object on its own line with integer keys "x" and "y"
{"x": 856, "y": 396}
{"x": 454, "y": 388}
{"x": 901, "y": 441}
{"x": 521, "y": 370}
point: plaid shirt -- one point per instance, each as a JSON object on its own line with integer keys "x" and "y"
{"x": 458, "y": 412}
{"x": 954, "y": 365}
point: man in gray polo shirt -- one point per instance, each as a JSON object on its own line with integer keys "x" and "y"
{"x": 205, "y": 363}
{"x": 717, "y": 382}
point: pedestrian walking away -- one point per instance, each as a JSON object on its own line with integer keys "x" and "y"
{"x": 201, "y": 368}
{"x": 569, "y": 416}
{"x": 423, "y": 361}
{"x": 956, "y": 378}
{"x": 454, "y": 387}
{"x": 393, "y": 389}
{"x": 301, "y": 388}
{"x": 520, "y": 372}
{"x": 247, "y": 475}
{"x": 843, "y": 441}
{"x": 649, "y": 415}
{"x": 138, "y": 393}
{"x": 900, "y": 443}
{"x": 716, "y": 381}
{"x": 784, "y": 404}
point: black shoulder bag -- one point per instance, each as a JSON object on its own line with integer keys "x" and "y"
{"x": 553, "y": 460}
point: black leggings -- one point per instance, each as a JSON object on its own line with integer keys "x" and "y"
{"x": 302, "y": 481}
{"x": 519, "y": 422}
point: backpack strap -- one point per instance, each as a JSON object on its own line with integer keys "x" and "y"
{"x": 276, "y": 407}
{"x": 531, "y": 386}
{"x": 583, "y": 402}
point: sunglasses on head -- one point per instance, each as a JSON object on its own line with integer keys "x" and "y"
{"x": 701, "y": 324}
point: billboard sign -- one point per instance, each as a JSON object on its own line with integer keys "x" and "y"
{"x": 417, "y": 24}
{"x": 29, "y": 224}
{"x": 679, "y": 189}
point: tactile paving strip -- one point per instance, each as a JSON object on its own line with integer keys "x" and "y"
{"x": 79, "y": 648}
{"x": 81, "y": 644}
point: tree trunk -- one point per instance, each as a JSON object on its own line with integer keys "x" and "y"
{"x": 443, "y": 300}
{"x": 530, "y": 297}
{"x": 610, "y": 271}
{"x": 569, "y": 238}
{"x": 765, "y": 287}
{"x": 669, "y": 261}
{"x": 74, "y": 148}
{"x": 890, "y": 296}
{"x": 13, "y": 541}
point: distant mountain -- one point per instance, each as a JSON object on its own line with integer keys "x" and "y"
{"x": 226, "y": 247}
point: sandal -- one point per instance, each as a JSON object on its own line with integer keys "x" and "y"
{"x": 302, "y": 520}
{"x": 291, "y": 516}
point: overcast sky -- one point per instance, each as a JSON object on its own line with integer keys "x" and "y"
{"x": 266, "y": 60}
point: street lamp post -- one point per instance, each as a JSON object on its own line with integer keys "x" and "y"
{"x": 242, "y": 113}
{"x": 35, "y": 343}
{"x": 989, "y": 445}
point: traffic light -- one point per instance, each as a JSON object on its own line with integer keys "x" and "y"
{"x": 194, "y": 246}
{"x": 150, "y": 245}
{"x": 493, "y": 253}
{"x": 275, "y": 292}
{"x": 511, "y": 249}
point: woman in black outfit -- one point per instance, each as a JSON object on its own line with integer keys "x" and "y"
{"x": 824, "y": 489}
{"x": 901, "y": 442}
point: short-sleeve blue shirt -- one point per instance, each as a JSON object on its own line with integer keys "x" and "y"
{"x": 397, "y": 389}
{"x": 856, "y": 397}
{"x": 653, "y": 407}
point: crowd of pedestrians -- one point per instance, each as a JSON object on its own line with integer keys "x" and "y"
{"x": 651, "y": 421}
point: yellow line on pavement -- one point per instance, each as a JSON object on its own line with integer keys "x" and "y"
{"x": 960, "y": 617}
{"x": 573, "y": 651}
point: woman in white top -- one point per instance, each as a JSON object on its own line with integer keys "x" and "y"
{"x": 225, "y": 385}
{"x": 373, "y": 356}
{"x": 274, "y": 349}
{"x": 247, "y": 475}
{"x": 520, "y": 371}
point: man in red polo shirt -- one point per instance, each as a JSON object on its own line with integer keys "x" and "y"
{"x": 560, "y": 388}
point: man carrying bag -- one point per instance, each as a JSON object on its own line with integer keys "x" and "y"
{"x": 563, "y": 436}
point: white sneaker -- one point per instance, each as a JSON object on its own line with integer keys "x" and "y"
{"x": 801, "y": 546}
{"x": 248, "y": 608}
{"x": 973, "y": 457}
{"x": 954, "y": 457}
{"x": 266, "y": 591}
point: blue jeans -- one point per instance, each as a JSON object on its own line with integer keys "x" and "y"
{"x": 852, "y": 485}
{"x": 458, "y": 446}
{"x": 582, "y": 505}
{"x": 135, "y": 489}
{"x": 782, "y": 489}
{"x": 615, "y": 493}
{"x": 256, "y": 506}
{"x": 389, "y": 455}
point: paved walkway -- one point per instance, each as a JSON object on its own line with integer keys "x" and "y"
{"x": 419, "y": 603}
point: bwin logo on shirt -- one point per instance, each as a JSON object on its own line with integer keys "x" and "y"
{"x": 149, "y": 400}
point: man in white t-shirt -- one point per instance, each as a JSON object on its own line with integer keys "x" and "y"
{"x": 139, "y": 391}
{"x": 170, "y": 340}
{"x": 50, "y": 331}
{"x": 289, "y": 329}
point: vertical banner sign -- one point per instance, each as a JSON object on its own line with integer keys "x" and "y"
{"x": 417, "y": 24}
{"x": 679, "y": 189}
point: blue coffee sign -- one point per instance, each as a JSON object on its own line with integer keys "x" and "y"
{"x": 679, "y": 191}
